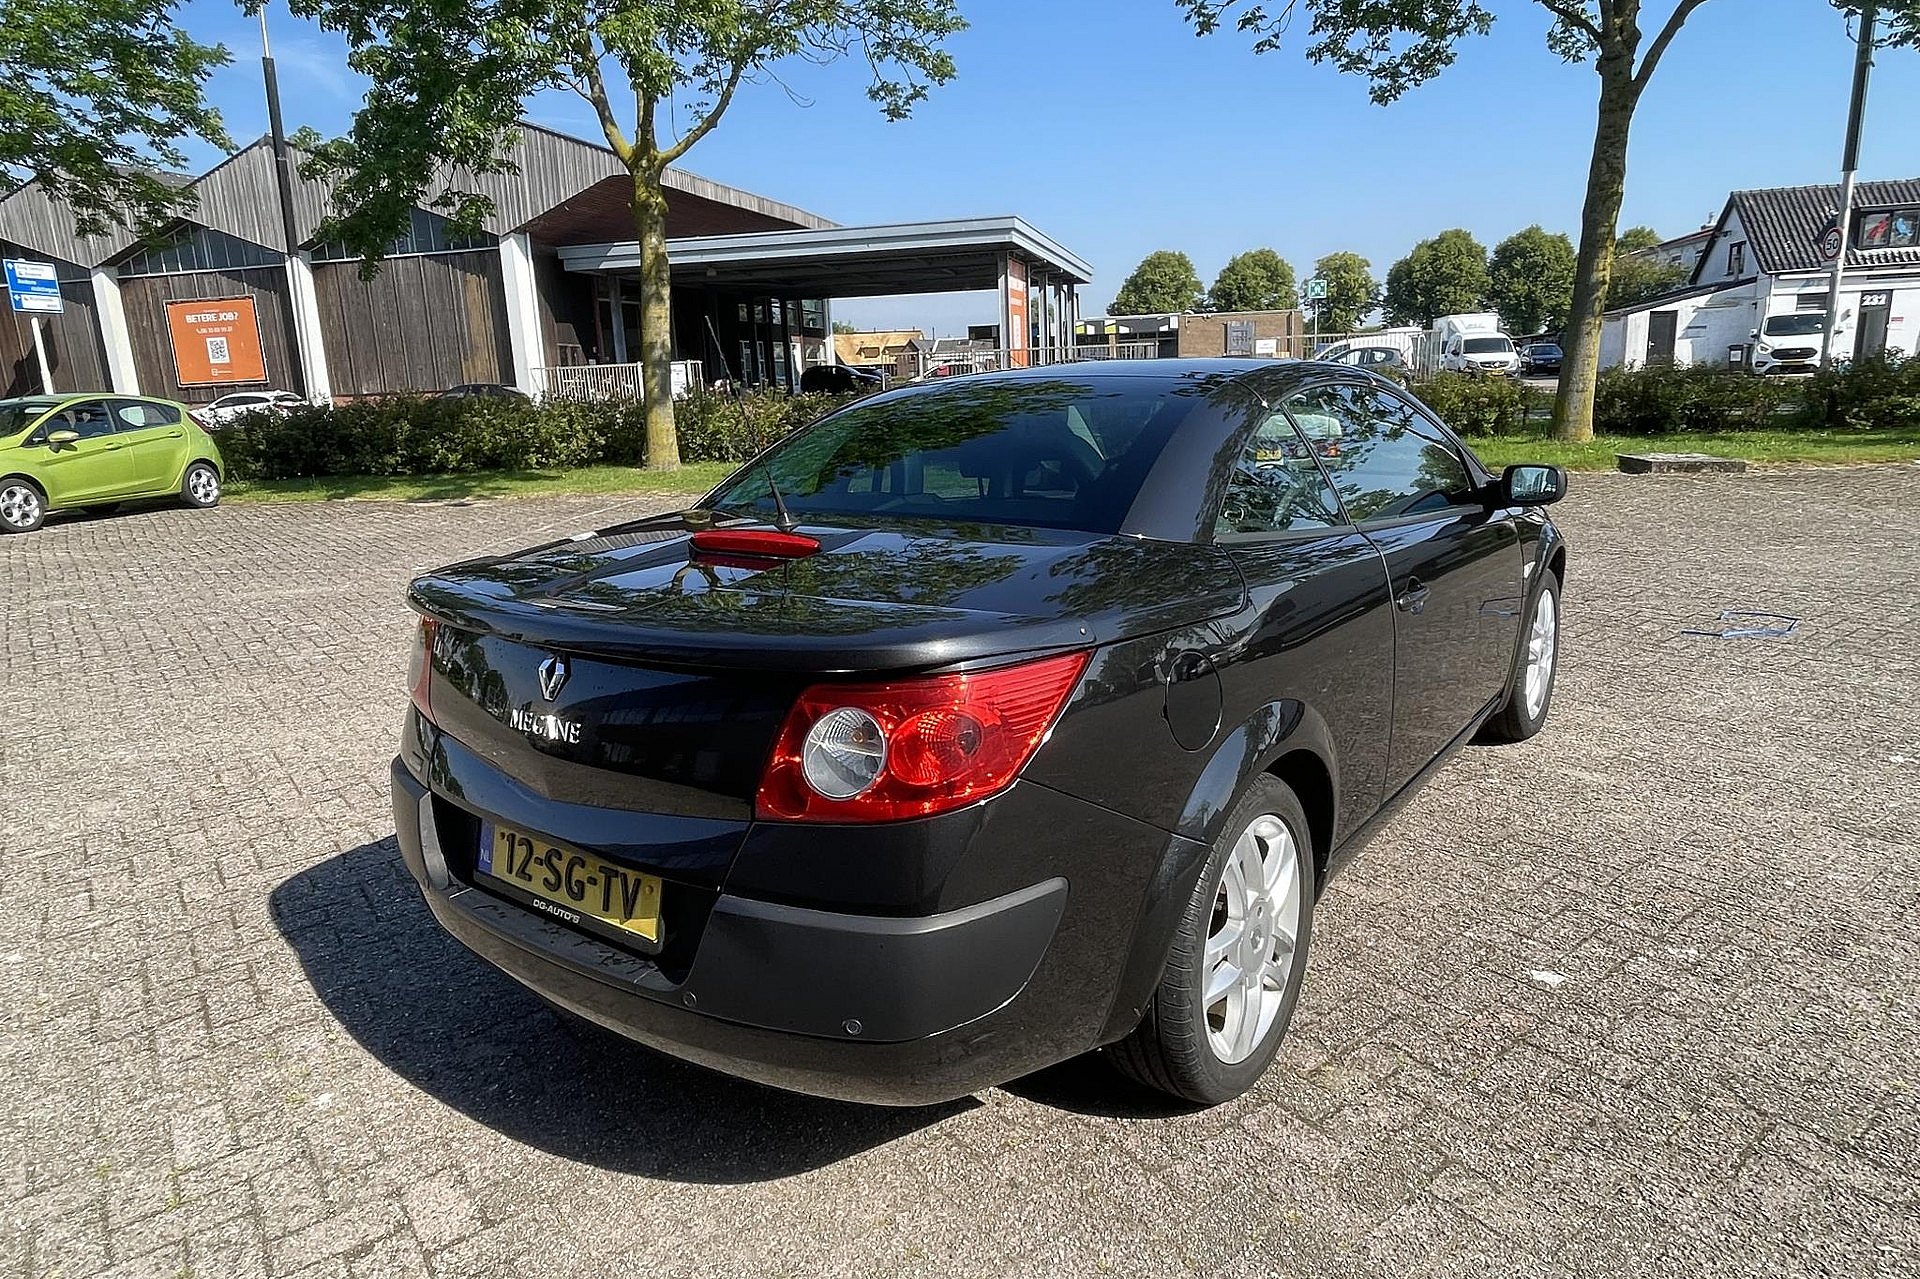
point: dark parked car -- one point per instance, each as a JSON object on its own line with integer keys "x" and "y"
{"x": 1540, "y": 359}
{"x": 485, "y": 390}
{"x": 978, "y": 725}
{"x": 840, "y": 379}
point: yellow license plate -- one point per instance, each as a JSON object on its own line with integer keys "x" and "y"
{"x": 570, "y": 884}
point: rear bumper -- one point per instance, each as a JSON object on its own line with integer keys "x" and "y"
{"x": 881, "y": 1009}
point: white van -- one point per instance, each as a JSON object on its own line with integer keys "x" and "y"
{"x": 1480, "y": 353}
{"x": 1789, "y": 343}
{"x": 1472, "y": 342}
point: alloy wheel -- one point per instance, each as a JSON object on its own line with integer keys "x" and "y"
{"x": 203, "y": 485}
{"x": 1250, "y": 943}
{"x": 19, "y": 505}
{"x": 1542, "y": 640}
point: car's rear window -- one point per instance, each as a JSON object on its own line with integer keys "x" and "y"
{"x": 1060, "y": 452}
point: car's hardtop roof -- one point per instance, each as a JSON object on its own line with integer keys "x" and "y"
{"x": 66, "y": 397}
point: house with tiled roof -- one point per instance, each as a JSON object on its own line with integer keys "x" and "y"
{"x": 1757, "y": 297}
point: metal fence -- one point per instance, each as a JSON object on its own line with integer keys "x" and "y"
{"x": 607, "y": 381}
{"x": 957, "y": 358}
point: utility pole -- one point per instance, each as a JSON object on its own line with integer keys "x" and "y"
{"x": 1849, "y": 162}
{"x": 283, "y": 175}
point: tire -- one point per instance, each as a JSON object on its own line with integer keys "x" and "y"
{"x": 23, "y": 507}
{"x": 1186, "y": 1047}
{"x": 1525, "y": 711}
{"x": 200, "y": 486}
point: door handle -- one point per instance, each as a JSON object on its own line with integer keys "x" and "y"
{"x": 171, "y": 435}
{"x": 109, "y": 448}
{"x": 1413, "y": 599}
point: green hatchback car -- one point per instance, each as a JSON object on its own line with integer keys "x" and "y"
{"x": 95, "y": 450}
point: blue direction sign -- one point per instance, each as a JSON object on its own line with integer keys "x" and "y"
{"x": 34, "y": 286}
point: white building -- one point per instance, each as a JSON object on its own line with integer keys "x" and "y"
{"x": 1758, "y": 294}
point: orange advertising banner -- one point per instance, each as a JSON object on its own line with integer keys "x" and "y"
{"x": 216, "y": 340}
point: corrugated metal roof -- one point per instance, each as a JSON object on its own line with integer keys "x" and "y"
{"x": 238, "y": 197}
{"x": 1783, "y": 224}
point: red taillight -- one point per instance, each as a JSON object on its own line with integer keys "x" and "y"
{"x": 758, "y": 543}
{"x": 911, "y": 748}
{"x": 420, "y": 665}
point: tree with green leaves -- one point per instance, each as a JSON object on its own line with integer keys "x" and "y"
{"x": 1530, "y": 280}
{"x": 1637, "y": 275}
{"x": 1446, "y": 275}
{"x": 450, "y": 76}
{"x": 1399, "y": 44}
{"x": 1352, "y": 292}
{"x": 1165, "y": 281}
{"x": 96, "y": 96}
{"x": 1257, "y": 280}
{"x": 1635, "y": 239}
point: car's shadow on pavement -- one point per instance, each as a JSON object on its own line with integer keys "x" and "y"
{"x": 468, "y": 1035}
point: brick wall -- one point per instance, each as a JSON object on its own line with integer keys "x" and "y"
{"x": 1203, "y": 335}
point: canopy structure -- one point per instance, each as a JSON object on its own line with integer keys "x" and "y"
{"x": 1037, "y": 278}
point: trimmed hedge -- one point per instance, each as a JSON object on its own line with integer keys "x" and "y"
{"x": 406, "y": 435}
{"x": 1878, "y": 394}
{"x": 1664, "y": 399}
{"x": 1473, "y": 404}
{"x": 409, "y": 435}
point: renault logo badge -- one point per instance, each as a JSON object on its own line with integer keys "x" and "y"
{"x": 553, "y": 676}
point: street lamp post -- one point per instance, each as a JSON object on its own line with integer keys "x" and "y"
{"x": 1849, "y": 162}
{"x": 283, "y": 177}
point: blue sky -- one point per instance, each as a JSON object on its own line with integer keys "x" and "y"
{"x": 1114, "y": 130}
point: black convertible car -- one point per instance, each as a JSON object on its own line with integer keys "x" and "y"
{"x": 978, "y": 725}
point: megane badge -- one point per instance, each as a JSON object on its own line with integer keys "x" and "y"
{"x": 553, "y": 676}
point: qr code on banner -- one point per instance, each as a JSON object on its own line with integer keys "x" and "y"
{"x": 217, "y": 351}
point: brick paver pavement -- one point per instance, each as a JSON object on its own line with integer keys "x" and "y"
{"x": 1636, "y": 998}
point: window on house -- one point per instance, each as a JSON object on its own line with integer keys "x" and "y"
{"x": 1887, "y": 229}
{"x": 1737, "y": 258}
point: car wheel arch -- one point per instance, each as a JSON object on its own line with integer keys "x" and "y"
{"x": 1264, "y": 741}
{"x": 46, "y": 498}
{"x": 1288, "y": 740}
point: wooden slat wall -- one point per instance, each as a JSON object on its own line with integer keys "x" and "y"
{"x": 566, "y": 310}
{"x": 423, "y": 323}
{"x": 74, "y": 354}
{"x": 145, "y": 300}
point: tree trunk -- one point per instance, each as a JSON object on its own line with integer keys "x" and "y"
{"x": 656, "y": 320}
{"x": 1593, "y": 272}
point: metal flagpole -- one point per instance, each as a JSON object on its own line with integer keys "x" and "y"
{"x": 1849, "y": 161}
{"x": 283, "y": 175}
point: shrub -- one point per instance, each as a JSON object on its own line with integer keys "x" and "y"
{"x": 1877, "y": 394}
{"x": 715, "y": 427}
{"x": 1663, "y": 399}
{"x": 410, "y": 435}
{"x": 1473, "y": 404}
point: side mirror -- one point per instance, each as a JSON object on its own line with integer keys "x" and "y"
{"x": 63, "y": 437}
{"x": 1532, "y": 485}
